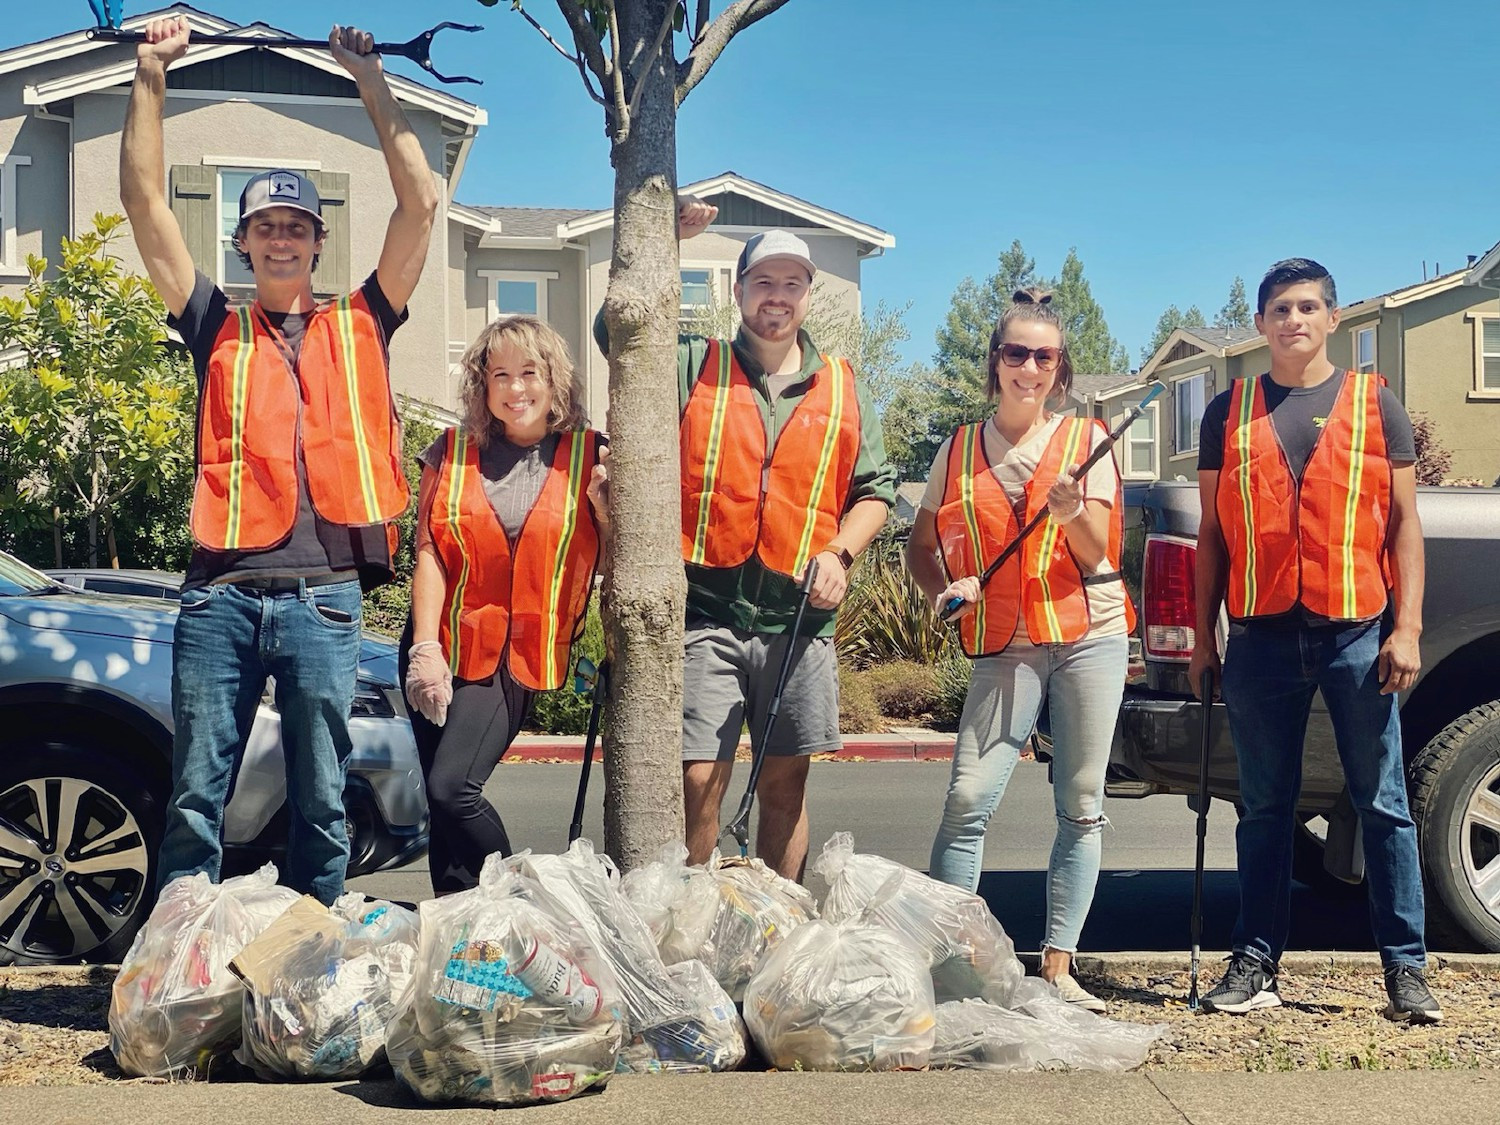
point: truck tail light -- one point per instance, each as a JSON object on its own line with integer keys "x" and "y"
{"x": 1169, "y": 612}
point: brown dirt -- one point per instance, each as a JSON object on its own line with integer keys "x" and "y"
{"x": 54, "y": 1030}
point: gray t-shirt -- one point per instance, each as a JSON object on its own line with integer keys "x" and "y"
{"x": 1297, "y": 416}
{"x": 512, "y": 475}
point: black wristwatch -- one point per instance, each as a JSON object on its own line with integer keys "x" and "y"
{"x": 846, "y": 560}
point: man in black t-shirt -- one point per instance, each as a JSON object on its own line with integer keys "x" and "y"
{"x": 298, "y": 459}
{"x": 1309, "y": 532}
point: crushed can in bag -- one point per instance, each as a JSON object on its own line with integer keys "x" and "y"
{"x": 552, "y": 976}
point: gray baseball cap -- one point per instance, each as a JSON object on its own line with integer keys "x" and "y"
{"x": 280, "y": 188}
{"x": 774, "y": 244}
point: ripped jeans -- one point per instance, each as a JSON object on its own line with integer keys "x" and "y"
{"x": 1084, "y": 683}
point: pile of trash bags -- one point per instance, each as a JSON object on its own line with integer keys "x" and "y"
{"x": 556, "y": 972}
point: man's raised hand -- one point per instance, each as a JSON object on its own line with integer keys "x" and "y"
{"x": 355, "y": 51}
{"x": 166, "y": 41}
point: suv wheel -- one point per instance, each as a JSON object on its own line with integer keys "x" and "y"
{"x": 1455, "y": 800}
{"x": 78, "y": 841}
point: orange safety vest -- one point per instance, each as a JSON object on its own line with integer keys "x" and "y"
{"x": 1319, "y": 541}
{"x": 1042, "y": 580}
{"x": 737, "y": 497}
{"x": 255, "y": 411}
{"x": 534, "y": 600}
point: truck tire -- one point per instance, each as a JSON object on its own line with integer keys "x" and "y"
{"x": 1455, "y": 800}
{"x": 80, "y": 832}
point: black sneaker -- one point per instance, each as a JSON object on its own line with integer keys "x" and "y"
{"x": 1411, "y": 1000}
{"x": 1247, "y": 985}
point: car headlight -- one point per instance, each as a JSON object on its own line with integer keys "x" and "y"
{"x": 371, "y": 701}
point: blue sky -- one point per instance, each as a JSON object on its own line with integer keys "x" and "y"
{"x": 1175, "y": 144}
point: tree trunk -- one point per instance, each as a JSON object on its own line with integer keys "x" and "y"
{"x": 645, "y": 589}
{"x": 93, "y": 539}
{"x": 57, "y": 535}
{"x": 109, "y": 542}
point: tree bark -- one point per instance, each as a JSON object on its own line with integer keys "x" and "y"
{"x": 645, "y": 589}
{"x": 57, "y": 535}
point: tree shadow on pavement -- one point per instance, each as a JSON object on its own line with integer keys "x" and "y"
{"x": 81, "y": 1006}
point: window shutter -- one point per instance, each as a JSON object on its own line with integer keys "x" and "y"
{"x": 197, "y": 213}
{"x": 331, "y": 278}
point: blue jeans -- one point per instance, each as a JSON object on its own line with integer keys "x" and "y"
{"x": 228, "y": 639}
{"x": 1084, "y": 682}
{"x": 1270, "y": 674}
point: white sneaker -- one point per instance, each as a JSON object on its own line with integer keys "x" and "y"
{"x": 1074, "y": 993}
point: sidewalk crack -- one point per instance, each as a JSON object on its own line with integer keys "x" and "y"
{"x": 1151, "y": 1078}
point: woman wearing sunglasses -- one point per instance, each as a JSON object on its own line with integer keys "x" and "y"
{"x": 1051, "y": 625}
{"x": 512, "y": 509}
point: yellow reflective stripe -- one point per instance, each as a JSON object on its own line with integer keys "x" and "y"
{"x": 711, "y": 455}
{"x": 1242, "y": 441}
{"x": 564, "y": 542}
{"x": 1077, "y": 427}
{"x": 826, "y": 456}
{"x": 1351, "y": 500}
{"x": 458, "y": 460}
{"x": 237, "y": 386}
{"x": 344, "y": 316}
{"x": 970, "y": 435}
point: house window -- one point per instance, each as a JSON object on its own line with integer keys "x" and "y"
{"x": 1364, "y": 348}
{"x": 1487, "y": 369}
{"x": 10, "y": 255}
{"x": 697, "y": 291}
{"x": 233, "y": 274}
{"x": 1188, "y": 394}
{"x": 517, "y": 292}
{"x": 1138, "y": 457}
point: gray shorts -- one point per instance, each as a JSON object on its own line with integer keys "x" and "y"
{"x": 725, "y": 670}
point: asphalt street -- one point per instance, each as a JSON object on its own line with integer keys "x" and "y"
{"x": 1145, "y": 889}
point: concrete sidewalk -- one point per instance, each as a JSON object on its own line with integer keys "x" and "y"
{"x": 952, "y": 1098}
{"x": 901, "y": 746}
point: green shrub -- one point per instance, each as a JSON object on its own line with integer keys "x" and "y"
{"x": 885, "y": 616}
{"x": 564, "y": 711}
{"x": 903, "y": 689}
{"x": 858, "y": 711}
{"x": 952, "y": 674}
{"x": 386, "y": 609}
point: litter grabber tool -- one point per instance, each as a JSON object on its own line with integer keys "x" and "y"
{"x": 1206, "y": 706}
{"x": 418, "y": 50}
{"x": 594, "y": 679}
{"x": 954, "y": 604}
{"x": 739, "y": 827}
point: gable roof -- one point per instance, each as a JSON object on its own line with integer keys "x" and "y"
{"x": 1218, "y": 342}
{"x": 1486, "y": 271}
{"x": 1103, "y": 386}
{"x": 119, "y": 70}
{"x": 553, "y": 226}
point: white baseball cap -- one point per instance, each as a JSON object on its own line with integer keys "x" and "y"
{"x": 774, "y": 244}
{"x": 280, "y": 188}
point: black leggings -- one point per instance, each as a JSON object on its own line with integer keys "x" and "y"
{"x": 457, "y": 759}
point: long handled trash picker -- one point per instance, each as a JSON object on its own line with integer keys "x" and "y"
{"x": 1206, "y": 686}
{"x": 418, "y": 50}
{"x": 739, "y": 827}
{"x": 955, "y": 603}
{"x": 588, "y": 677}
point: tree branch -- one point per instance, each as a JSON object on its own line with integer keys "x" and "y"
{"x": 711, "y": 43}
{"x": 643, "y": 71}
{"x": 701, "y": 23}
{"x": 589, "y": 50}
{"x": 617, "y": 73}
{"x": 577, "y": 60}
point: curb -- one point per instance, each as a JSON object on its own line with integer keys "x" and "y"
{"x": 1303, "y": 961}
{"x": 926, "y": 746}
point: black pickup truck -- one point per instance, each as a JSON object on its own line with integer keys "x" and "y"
{"x": 1450, "y": 719}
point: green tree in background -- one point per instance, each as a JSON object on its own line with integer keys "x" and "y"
{"x": 1169, "y": 321}
{"x": 100, "y": 411}
{"x": 1093, "y": 350}
{"x": 1236, "y": 311}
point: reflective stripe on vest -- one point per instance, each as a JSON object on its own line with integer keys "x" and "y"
{"x": 532, "y": 602}
{"x": 736, "y": 500}
{"x": 1043, "y": 579}
{"x": 255, "y": 414}
{"x": 1318, "y": 542}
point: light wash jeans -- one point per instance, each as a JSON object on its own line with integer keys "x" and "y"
{"x": 1084, "y": 682}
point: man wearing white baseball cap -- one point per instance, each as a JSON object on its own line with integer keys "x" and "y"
{"x": 783, "y": 462}
{"x": 299, "y": 472}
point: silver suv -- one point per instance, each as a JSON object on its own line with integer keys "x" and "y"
{"x": 85, "y": 768}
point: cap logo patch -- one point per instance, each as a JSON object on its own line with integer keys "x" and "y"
{"x": 284, "y": 185}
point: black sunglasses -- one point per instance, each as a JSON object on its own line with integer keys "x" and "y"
{"x": 1016, "y": 355}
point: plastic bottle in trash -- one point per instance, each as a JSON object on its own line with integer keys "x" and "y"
{"x": 553, "y": 976}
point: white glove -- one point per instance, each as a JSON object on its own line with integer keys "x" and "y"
{"x": 429, "y": 683}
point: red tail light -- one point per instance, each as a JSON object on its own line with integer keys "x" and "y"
{"x": 1169, "y": 613}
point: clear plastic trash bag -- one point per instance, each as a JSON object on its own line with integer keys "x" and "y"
{"x": 509, "y": 1002}
{"x": 175, "y": 1006}
{"x": 710, "y": 1038}
{"x": 677, "y": 902}
{"x": 321, "y": 986}
{"x": 970, "y": 953}
{"x": 842, "y": 996}
{"x": 1043, "y": 1031}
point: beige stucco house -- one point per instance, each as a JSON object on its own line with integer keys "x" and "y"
{"x": 1436, "y": 342}
{"x": 235, "y": 110}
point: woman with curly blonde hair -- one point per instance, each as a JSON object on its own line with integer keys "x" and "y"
{"x": 512, "y": 510}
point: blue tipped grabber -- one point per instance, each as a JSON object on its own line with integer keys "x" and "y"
{"x": 1206, "y": 706}
{"x": 418, "y": 50}
{"x": 588, "y": 679}
{"x": 739, "y": 827}
{"x": 954, "y": 604}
